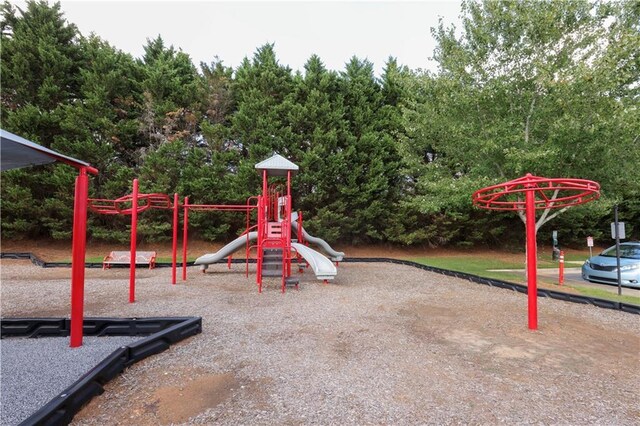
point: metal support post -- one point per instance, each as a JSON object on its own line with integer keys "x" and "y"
{"x": 78, "y": 255}
{"x": 532, "y": 267}
{"x": 134, "y": 229}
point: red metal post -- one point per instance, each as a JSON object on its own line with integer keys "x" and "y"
{"x": 78, "y": 255}
{"x": 229, "y": 262}
{"x": 174, "y": 247}
{"x": 134, "y": 231}
{"x": 184, "y": 238}
{"x": 532, "y": 267}
{"x": 561, "y": 269}
{"x": 288, "y": 223}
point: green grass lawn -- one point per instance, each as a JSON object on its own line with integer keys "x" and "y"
{"x": 485, "y": 266}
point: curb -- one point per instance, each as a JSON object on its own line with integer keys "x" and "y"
{"x": 162, "y": 333}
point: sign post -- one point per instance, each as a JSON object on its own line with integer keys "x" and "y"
{"x": 616, "y": 234}
{"x": 618, "y": 226}
{"x": 590, "y": 245}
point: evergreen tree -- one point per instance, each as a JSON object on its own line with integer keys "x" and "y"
{"x": 170, "y": 88}
{"x": 316, "y": 120}
{"x": 370, "y": 179}
{"x": 40, "y": 64}
{"x": 262, "y": 92}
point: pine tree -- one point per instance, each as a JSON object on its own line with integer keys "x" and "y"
{"x": 370, "y": 178}
{"x": 262, "y": 92}
{"x": 40, "y": 69}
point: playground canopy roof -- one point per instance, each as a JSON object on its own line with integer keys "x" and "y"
{"x": 18, "y": 152}
{"x": 277, "y": 165}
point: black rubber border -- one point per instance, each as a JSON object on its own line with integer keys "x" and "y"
{"x": 39, "y": 262}
{"x": 558, "y": 295}
{"x": 162, "y": 333}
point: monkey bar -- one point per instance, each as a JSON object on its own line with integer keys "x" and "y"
{"x": 132, "y": 204}
{"x": 247, "y": 208}
{"x": 531, "y": 193}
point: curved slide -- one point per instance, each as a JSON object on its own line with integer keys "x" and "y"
{"x": 225, "y": 251}
{"x": 322, "y": 267}
{"x": 336, "y": 256}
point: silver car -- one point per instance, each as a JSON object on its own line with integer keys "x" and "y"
{"x": 603, "y": 268}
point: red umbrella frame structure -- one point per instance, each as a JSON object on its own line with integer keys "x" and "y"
{"x": 531, "y": 193}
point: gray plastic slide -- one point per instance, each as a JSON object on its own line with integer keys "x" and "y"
{"x": 207, "y": 259}
{"x": 336, "y": 256}
{"x": 322, "y": 267}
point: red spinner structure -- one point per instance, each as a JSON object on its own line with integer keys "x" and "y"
{"x": 531, "y": 193}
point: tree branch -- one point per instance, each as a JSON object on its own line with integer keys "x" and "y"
{"x": 528, "y": 121}
{"x": 552, "y": 216}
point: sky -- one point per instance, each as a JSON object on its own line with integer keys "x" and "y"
{"x": 334, "y": 30}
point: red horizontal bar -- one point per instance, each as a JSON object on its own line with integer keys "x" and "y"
{"x": 230, "y": 207}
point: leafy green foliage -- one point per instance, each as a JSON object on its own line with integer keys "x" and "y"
{"x": 550, "y": 88}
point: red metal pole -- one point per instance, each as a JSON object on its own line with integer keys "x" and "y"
{"x": 134, "y": 231}
{"x": 532, "y": 267}
{"x": 174, "y": 247}
{"x": 184, "y": 238}
{"x": 78, "y": 257}
{"x": 288, "y": 222}
{"x": 561, "y": 271}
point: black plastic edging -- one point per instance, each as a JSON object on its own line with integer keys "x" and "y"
{"x": 553, "y": 294}
{"x": 163, "y": 333}
{"x": 92, "y": 265}
{"x": 601, "y": 303}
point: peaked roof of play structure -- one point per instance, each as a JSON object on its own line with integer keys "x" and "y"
{"x": 277, "y": 165}
{"x": 18, "y": 152}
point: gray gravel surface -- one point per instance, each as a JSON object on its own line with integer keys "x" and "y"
{"x": 384, "y": 344}
{"x": 34, "y": 371}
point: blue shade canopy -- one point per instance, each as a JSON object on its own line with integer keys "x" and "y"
{"x": 16, "y": 152}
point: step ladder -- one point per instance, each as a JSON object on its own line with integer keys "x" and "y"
{"x": 272, "y": 265}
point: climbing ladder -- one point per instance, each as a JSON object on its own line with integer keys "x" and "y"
{"x": 274, "y": 222}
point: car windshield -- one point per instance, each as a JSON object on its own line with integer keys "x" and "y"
{"x": 629, "y": 251}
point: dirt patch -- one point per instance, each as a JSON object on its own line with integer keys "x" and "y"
{"x": 176, "y": 404}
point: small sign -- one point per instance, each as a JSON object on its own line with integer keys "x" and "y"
{"x": 554, "y": 235}
{"x": 621, "y": 233}
{"x": 589, "y": 241}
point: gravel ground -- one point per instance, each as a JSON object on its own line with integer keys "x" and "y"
{"x": 34, "y": 371}
{"x": 384, "y": 344}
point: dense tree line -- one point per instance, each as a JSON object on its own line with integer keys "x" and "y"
{"x": 550, "y": 88}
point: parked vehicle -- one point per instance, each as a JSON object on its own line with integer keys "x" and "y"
{"x": 603, "y": 268}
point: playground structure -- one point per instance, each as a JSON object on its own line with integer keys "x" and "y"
{"x": 272, "y": 233}
{"x": 539, "y": 193}
{"x": 270, "y": 237}
{"x": 132, "y": 205}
